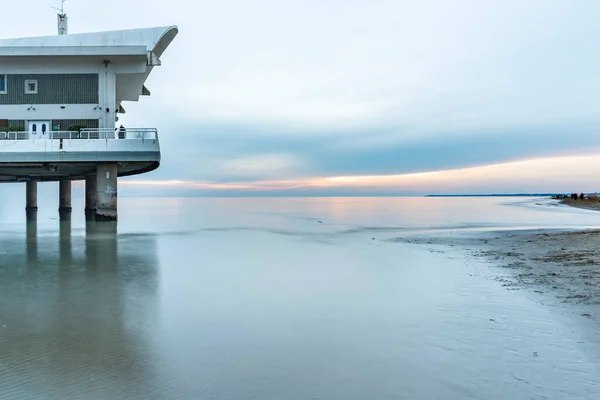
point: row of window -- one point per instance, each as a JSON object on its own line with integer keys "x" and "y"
{"x": 31, "y": 85}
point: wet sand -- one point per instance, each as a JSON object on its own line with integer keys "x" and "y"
{"x": 560, "y": 267}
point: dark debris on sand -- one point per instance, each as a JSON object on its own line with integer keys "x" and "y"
{"x": 564, "y": 265}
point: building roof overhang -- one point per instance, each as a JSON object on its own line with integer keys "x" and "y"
{"x": 146, "y": 45}
{"x": 57, "y": 51}
{"x": 155, "y": 40}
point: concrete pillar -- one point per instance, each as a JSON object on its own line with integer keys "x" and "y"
{"x": 64, "y": 190}
{"x": 31, "y": 206}
{"x": 90, "y": 196}
{"x": 106, "y": 192}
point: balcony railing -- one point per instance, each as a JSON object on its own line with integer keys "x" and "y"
{"x": 86, "y": 134}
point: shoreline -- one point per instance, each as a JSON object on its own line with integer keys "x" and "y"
{"x": 593, "y": 204}
{"x": 561, "y": 267}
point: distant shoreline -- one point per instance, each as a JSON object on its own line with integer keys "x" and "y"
{"x": 593, "y": 204}
{"x": 587, "y": 204}
{"x": 495, "y": 195}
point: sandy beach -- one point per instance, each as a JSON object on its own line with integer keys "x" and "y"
{"x": 587, "y": 204}
{"x": 561, "y": 267}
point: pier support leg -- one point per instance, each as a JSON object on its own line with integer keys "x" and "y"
{"x": 64, "y": 189}
{"x": 31, "y": 206}
{"x": 90, "y": 196}
{"x": 106, "y": 192}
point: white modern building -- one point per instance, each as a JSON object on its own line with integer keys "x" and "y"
{"x": 60, "y": 97}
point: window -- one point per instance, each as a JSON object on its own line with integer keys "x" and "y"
{"x": 31, "y": 86}
{"x": 2, "y": 84}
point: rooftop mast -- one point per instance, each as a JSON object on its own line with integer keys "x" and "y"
{"x": 62, "y": 19}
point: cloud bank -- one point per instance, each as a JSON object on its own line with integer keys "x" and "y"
{"x": 297, "y": 91}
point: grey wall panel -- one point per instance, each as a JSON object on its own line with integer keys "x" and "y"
{"x": 64, "y": 124}
{"x": 52, "y": 89}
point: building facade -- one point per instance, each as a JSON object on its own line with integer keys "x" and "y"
{"x": 60, "y": 97}
{"x": 47, "y": 93}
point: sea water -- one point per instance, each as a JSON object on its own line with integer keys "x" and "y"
{"x": 279, "y": 298}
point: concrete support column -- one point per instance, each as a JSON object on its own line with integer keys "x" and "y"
{"x": 31, "y": 205}
{"x": 90, "y": 196}
{"x": 64, "y": 190}
{"x": 106, "y": 192}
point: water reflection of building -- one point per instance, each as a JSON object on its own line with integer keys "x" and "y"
{"x": 76, "y": 313}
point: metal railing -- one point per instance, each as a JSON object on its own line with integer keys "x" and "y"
{"x": 87, "y": 134}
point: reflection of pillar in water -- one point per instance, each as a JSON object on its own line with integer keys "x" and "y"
{"x": 111, "y": 348}
{"x": 102, "y": 275}
{"x": 101, "y": 244}
{"x": 64, "y": 244}
{"x": 31, "y": 239}
{"x": 96, "y": 322}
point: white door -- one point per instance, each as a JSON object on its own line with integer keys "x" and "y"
{"x": 39, "y": 129}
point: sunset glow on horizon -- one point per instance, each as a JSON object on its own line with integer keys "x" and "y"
{"x": 551, "y": 174}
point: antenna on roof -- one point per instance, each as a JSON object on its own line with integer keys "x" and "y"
{"x": 62, "y": 19}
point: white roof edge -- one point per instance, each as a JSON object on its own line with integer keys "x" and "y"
{"x": 35, "y": 51}
{"x": 165, "y": 40}
{"x": 155, "y": 39}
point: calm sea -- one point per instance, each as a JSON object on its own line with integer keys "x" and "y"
{"x": 280, "y": 298}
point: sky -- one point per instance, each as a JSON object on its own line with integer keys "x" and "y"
{"x": 371, "y": 97}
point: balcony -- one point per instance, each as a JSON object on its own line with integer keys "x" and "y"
{"x": 54, "y": 155}
{"x": 86, "y": 134}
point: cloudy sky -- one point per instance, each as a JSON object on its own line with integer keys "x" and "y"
{"x": 361, "y": 96}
